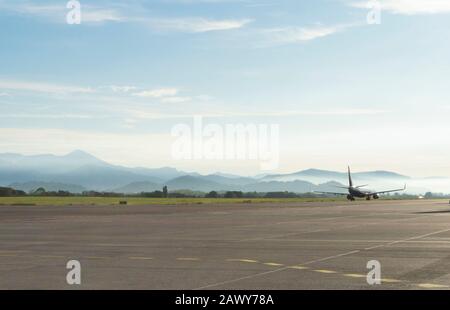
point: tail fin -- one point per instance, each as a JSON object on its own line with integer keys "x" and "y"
{"x": 350, "y": 182}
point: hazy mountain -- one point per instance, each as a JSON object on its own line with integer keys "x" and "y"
{"x": 138, "y": 187}
{"x": 196, "y": 184}
{"x": 321, "y": 176}
{"x": 158, "y": 174}
{"x": 227, "y": 175}
{"x": 380, "y": 174}
{"x": 79, "y": 170}
{"x": 101, "y": 178}
{"x": 275, "y": 186}
{"x": 48, "y": 186}
{"x": 227, "y": 180}
{"x": 48, "y": 163}
{"x": 331, "y": 186}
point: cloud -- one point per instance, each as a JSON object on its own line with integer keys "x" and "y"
{"x": 308, "y": 112}
{"x": 333, "y": 112}
{"x": 165, "y": 95}
{"x": 157, "y": 93}
{"x": 176, "y": 99}
{"x": 101, "y": 15}
{"x": 91, "y": 14}
{"x": 288, "y": 35}
{"x": 48, "y": 116}
{"x": 140, "y": 113}
{"x": 121, "y": 89}
{"x": 409, "y": 7}
{"x": 57, "y": 13}
{"x": 197, "y": 25}
{"x": 42, "y": 87}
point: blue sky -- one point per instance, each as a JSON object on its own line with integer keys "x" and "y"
{"x": 342, "y": 91}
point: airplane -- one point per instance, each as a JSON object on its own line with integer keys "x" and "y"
{"x": 356, "y": 191}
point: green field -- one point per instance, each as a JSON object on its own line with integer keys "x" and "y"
{"x": 147, "y": 201}
{"x": 79, "y": 200}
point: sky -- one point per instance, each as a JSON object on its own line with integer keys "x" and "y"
{"x": 341, "y": 88}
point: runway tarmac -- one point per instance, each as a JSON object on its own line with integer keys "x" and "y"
{"x": 248, "y": 246}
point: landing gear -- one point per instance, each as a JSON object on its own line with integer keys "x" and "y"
{"x": 350, "y": 197}
{"x": 368, "y": 198}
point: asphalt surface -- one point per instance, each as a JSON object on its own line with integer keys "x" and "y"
{"x": 249, "y": 246}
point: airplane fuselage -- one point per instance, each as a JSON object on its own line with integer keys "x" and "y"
{"x": 356, "y": 192}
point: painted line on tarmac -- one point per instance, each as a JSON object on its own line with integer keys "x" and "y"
{"x": 407, "y": 239}
{"x": 330, "y": 257}
{"x": 140, "y": 258}
{"x": 432, "y": 286}
{"x": 325, "y": 271}
{"x": 354, "y": 275}
{"x": 273, "y": 264}
{"x": 389, "y": 280}
{"x": 242, "y": 260}
{"x": 239, "y": 279}
{"x": 96, "y": 257}
{"x": 50, "y": 256}
{"x": 298, "y": 267}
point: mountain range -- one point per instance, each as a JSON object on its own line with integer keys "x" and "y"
{"x": 79, "y": 171}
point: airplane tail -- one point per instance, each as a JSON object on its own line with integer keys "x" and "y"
{"x": 350, "y": 182}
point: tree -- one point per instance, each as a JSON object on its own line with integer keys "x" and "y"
{"x": 428, "y": 195}
{"x": 233, "y": 194}
{"x": 212, "y": 194}
{"x": 39, "y": 191}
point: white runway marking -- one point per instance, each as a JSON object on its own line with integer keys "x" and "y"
{"x": 239, "y": 279}
{"x": 322, "y": 259}
{"x": 408, "y": 239}
{"x": 330, "y": 257}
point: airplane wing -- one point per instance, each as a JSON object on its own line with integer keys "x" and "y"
{"x": 343, "y": 194}
{"x": 389, "y": 191}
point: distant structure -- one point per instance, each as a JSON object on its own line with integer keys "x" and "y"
{"x": 165, "y": 191}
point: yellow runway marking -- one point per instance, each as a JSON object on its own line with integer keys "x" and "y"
{"x": 430, "y": 285}
{"x": 273, "y": 264}
{"x": 299, "y": 267}
{"x": 246, "y": 260}
{"x": 96, "y": 257}
{"x": 325, "y": 271}
{"x": 242, "y": 260}
{"x": 390, "y": 280}
{"x": 354, "y": 275}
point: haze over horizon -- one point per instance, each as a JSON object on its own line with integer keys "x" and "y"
{"x": 343, "y": 92}
{"x": 83, "y": 155}
{"x": 79, "y": 171}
